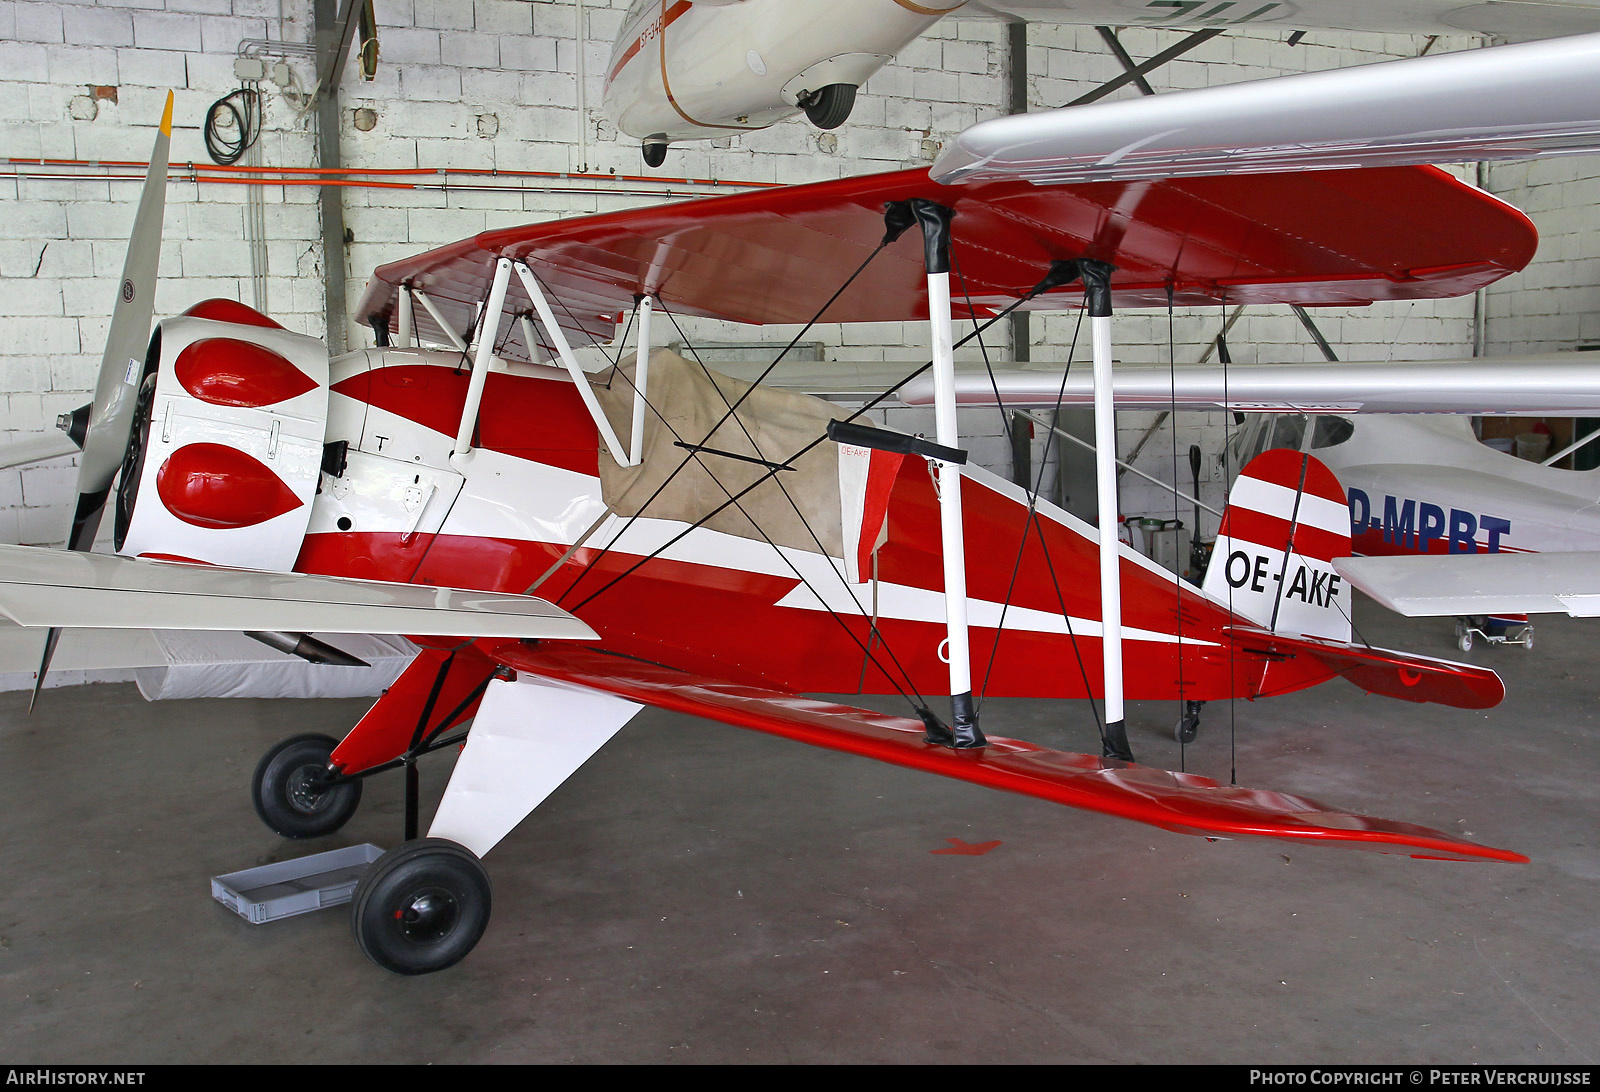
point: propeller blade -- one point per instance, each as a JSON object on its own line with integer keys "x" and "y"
{"x": 121, "y": 366}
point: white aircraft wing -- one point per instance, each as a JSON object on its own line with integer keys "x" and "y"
{"x": 1555, "y": 384}
{"x": 40, "y": 587}
{"x": 1516, "y": 102}
{"x": 1442, "y": 585}
{"x": 35, "y": 449}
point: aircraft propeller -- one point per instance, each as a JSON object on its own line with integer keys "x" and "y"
{"x": 110, "y": 416}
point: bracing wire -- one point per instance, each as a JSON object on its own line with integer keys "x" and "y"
{"x": 679, "y": 468}
{"x": 799, "y": 514}
{"x": 798, "y": 454}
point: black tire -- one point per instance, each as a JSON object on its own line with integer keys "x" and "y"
{"x": 829, "y": 107}
{"x": 421, "y": 907}
{"x": 286, "y": 794}
{"x": 655, "y": 153}
{"x": 1188, "y": 728}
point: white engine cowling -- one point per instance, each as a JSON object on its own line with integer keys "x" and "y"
{"x": 227, "y": 441}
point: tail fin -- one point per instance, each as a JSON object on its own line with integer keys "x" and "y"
{"x": 1287, "y": 519}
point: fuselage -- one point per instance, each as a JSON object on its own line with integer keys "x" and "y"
{"x": 508, "y": 515}
{"x": 1425, "y": 484}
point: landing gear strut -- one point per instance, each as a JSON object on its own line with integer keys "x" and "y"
{"x": 1188, "y": 724}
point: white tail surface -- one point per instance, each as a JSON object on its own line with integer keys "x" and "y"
{"x": 1286, "y": 521}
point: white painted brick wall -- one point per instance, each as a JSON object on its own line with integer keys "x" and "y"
{"x": 454, "y": 70}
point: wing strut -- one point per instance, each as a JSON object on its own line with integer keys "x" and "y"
{"x": 963, "y": 732}
{"x": 641, "y": 382}
{"x": 1097, "y": 296}
{"x": 488, "y": 332}
{"x": 405, "y": 337}
{"x": 558, "y": 338}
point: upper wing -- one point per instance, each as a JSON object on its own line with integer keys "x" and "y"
{"x": 1180, "y": 802}
{"x": 1461, "y": 585}
{"x": 41, "y": 587}
{"x": 778, "y": 255}
{"x": 1555, "y": 384}
{"x": 1515, "y": 102}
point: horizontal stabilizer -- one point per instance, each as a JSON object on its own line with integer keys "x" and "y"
{"x": 40, "y": 587}
{"x": 1381, "y": 670}
{"x": 1514, "y": 102}
{"x": 1185, "y": 803}
{"x": 1552, "y": 384}
{"x": 1462, "y": 585}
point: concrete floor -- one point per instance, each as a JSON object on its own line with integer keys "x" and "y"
{"x": 697, "y": 893}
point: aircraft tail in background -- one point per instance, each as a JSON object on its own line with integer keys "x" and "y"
{"x": 1286, "y": 522}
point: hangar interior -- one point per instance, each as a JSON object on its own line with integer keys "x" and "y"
{"x": 694, "y": 893}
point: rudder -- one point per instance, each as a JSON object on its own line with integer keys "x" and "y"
{"x": 1286, "y": 520}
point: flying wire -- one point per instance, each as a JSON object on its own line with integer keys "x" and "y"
{"x": 800, "y": 515}
{"x": 670, "y": 477}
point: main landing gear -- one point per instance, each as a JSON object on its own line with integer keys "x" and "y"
{"x": 421, "y": 907}
{"x": 291, "y": 789}
{"x": 1188, "y": 724}
{"x": 424, "y": 904}
{"x": 829, "y": 107}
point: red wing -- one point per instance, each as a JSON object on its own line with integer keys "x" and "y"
{"x": 1180, "y": 802}
{"x": 775, "y": 256}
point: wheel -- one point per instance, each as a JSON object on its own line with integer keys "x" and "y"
{"x": 1188, "y": 728}
{"x": 655, "y": 153}
{"x": 1527, "y": 639}
{"x": 1464, "y": 642}
{"x": 287, "y": 792}
{"x": 828, "y": 107}
{"x": 421, "y": 907}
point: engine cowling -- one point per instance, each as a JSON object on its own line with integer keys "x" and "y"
{"x": 227, "y": 443}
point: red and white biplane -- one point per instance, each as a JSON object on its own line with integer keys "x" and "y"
{"x": 574, "y": 546}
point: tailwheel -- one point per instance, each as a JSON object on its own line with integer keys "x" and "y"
{"x": 1188, "y": 724}
{"x": 291, "y": 793}
{"x": 421, "y": 907}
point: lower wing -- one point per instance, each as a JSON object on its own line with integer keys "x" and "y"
{"x": 1185, "y": 803}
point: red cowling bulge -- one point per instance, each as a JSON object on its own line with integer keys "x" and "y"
{"x": 228, "y": 372}
{"x": 220, "y": 310}
{"x": 210, "y": 485}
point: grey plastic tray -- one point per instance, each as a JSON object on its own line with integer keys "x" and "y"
{"x": 287, "y": 888}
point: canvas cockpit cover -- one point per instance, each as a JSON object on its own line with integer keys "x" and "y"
{"x": 688, "y": 401}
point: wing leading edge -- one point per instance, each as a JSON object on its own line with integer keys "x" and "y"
{"x": 1184, "y": 803}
